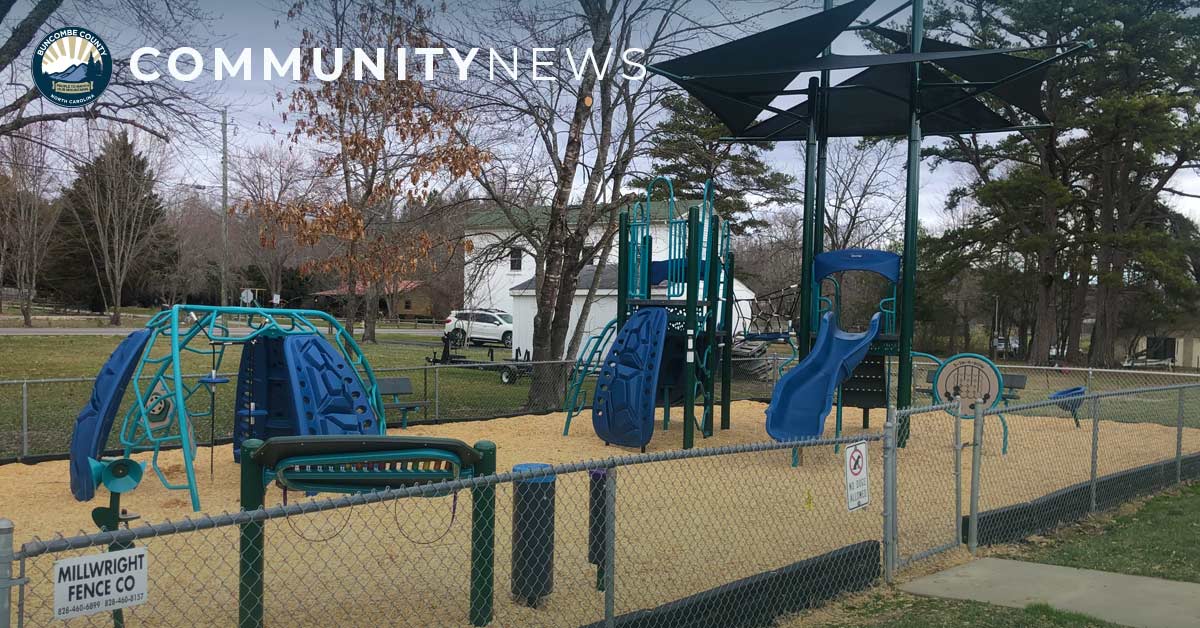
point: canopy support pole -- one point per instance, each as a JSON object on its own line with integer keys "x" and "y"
{"x": 912, "y": 193}
{"x": 822, "y": 116}
{"x": 804, "y": 323}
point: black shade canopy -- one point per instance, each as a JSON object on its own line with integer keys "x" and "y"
{"x": 874, "y": 102}
{"x": 738, "y": 81}
{"x": 769, "y": 68}
{"x": 1024, "y": 92}
{"x": 740, "y": 63}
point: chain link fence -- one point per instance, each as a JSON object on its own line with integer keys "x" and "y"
{"x": 37, "y": 415}
{"x": 929, "y": 484}
{"x": 1087, "y": 454}
{"x": 719, "y": 537}
{"x": 726, "y": 536}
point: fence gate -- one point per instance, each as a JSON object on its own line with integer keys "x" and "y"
{"x": 929, "y": 478}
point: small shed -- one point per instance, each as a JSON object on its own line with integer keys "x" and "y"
{"x": 604, "y": 307}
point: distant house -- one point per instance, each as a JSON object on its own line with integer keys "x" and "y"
{"x": 402, "y": 298}
{"x": 604, "y": 308}
{"x": 500, "y": 259}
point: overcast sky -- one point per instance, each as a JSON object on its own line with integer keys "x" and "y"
{"x": 254, "y": 114}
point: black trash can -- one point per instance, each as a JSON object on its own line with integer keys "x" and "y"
{"x": 597, "y": 518}
{"x": 533, "y": 536}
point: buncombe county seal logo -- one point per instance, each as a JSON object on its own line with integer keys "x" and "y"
{"x": 71, "y": 66}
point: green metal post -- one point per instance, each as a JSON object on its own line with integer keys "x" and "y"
{"x": 727, "y": 353}
{"x": 912, "y": 192}
{"x": 712, "y": 288}
{"x": 483, "y": 538}
{"x": 108, "y": 520}
{"x": 807, "y": 301}
{"x": 251, "y": 541}
{"x": 693, "y": 281}
{"x": 622, "y": 269}
{"x": 648, "y": 247}
{"x": 822, "y": 116}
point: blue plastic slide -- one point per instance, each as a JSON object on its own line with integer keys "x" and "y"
{"x": 95, "y": 420}
{"x": 803, "y": 397}
{"x": 623, "y": 408}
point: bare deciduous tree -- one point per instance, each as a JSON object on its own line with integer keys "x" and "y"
{"x": 865, "y": 194}
{"x": 270, "y": 177}
{"x": 161, "y": 108}
{"x": 30, "y": 214}
{"x": 382, "y": 139}
{"x": 117, "y": 210}
{"x": 579, "y": 126}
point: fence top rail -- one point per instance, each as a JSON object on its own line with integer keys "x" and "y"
{"x": 61, "y": 543}
{"x": 911, "y": 410}
{"x": 1086, "y": 369}
{"x": 1126, "y": 392}
{"x": 497, "y": 364}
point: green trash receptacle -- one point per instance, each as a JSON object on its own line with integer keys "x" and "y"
{"x": 533, "y": 535}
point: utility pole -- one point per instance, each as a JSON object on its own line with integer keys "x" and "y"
{"x": 224, "y": 207}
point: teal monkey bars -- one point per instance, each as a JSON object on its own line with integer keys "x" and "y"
{"x": 159, "y": 415}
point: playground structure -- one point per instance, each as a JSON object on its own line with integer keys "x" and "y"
{"x": 670, "y": 340}
{"x": 804, "y": 396}
{"x": 738, "y": 84}
{"x": 308, "y": 411}
{"x": 310, "y": 396}
{"x": 768, "y": 322}
{"x": 926, "y": 87}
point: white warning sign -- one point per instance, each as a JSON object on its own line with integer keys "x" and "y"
{"x": 858, "y": 485}
{"x": 99, "y": 583}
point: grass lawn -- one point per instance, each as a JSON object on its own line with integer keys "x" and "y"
{"x": 36, "y": 357}
{"x": 51, "y": 407}
{"x": 901, "y": 610}
{"x": 1155, "y": 540}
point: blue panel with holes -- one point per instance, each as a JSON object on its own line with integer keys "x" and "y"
{"x": 623, "y": 408}
{"x": 326, "y": 392}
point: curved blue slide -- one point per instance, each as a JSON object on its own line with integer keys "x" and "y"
{"x": 623, "y": 408}
{"x": 95, "y": 420}
{"x": 803, "y": 397}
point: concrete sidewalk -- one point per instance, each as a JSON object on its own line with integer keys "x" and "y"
{"x": 1118, "y": 598}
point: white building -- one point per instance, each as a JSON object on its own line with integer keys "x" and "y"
{"x": 500, "y": 259}
{"x": 604, "y": 307}
{"x": 499, "y": 273}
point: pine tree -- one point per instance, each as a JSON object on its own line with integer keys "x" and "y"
{"x": 117, "y": 216}
{"x": 687, "y": 148}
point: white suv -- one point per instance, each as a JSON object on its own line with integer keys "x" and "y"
{"x": 480, "y": 326}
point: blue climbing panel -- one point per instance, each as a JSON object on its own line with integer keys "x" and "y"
{"x": 623, "y": 408}
{"x": 300, "y": 386}
{"x": 265, "y": 381}
{"x": 327, "y": 394}
{"x": 94, "y": 422}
